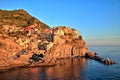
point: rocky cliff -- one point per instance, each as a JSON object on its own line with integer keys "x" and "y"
{"x": 25, "y": 41}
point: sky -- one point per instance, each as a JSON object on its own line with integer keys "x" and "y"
{"x": 98, "y": 21}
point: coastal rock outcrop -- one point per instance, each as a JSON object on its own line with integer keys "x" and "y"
{"x": 94, "y": 56}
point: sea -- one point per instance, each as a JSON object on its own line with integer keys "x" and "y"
{"x": 73, "y": 68}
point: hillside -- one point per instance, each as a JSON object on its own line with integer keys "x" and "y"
{"x": 26, "y": 41}
{"x": 12, "y": 22}
{"x": 19, "y": 18}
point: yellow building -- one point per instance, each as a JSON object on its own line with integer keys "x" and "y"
{"x": 59, "y": 32}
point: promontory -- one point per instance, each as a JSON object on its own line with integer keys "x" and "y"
{"x": 27, "y": 42}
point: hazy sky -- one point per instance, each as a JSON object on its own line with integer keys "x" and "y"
{"x": 98, "y": 21}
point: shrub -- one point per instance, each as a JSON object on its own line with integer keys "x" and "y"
{"x": 1, "y": 44}
{"x": 17, "y": 33}
{"x": 80, "y": 37}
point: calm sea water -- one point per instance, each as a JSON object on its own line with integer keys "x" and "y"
{"x": 73, "y": 69}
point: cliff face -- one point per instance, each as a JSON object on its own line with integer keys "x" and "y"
{"x": 23, "y": 36}
{"x": 67, "y": 43}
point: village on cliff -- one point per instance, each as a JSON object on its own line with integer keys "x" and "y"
{"x": 36, "y": 44}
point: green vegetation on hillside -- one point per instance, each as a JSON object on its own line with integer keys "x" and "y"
{"x": 19, "y": 18}
{"x": 15, "y": 34}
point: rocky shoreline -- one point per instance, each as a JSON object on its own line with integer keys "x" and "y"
{"x": 100, "y": 59}
{"x": 14, "y": 67}
{"x": 53, "y": 63}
